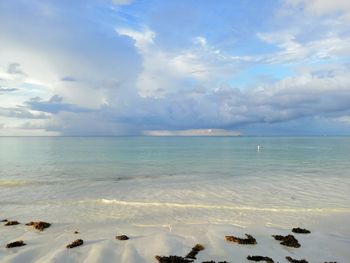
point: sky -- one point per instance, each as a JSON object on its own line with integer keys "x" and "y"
{"x": 153, "y": 67}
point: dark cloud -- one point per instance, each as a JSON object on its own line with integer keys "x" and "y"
{"x": 7, "y": 89}
{"x": 32, "y": 126}
{"x": 69, "y": 79}
{"x": 54, "y": 105}
{"x": 14, "y": 68}
{"x": 284, "y": 108}
{"x": 21, "y": 113}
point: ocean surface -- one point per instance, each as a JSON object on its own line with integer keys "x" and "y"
{"x": 169, "y": 180}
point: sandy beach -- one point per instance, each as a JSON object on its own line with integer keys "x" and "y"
{"x": 327, "y": 243}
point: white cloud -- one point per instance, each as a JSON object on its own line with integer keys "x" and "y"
{"x": 143, "y": 39}
{"x": 202, "y": 41}
{"x": 165, "y": 72}
{"x": 344, "y": 119}
{"x": 193, "y": 132}
{"x": 293, "y": 51}
{"x": 324, "y": 7}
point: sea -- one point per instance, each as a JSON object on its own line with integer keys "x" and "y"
{"x": 243, "y": 181}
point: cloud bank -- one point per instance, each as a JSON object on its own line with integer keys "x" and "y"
{"x": 132, "y": 68}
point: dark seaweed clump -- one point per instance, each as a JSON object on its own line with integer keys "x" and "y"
{"x": 19, "y": 243}
{"x": 76, "y": 243}
{"x": 40, "y": 225}
{"x": 250, "y": 240}
{"x": 193, "y": 253}
{"x": 12, "y": 223}
{"x": 299, "y": 230}
{"x": 289, "y": 241}
{"x": 292, "y": 260}
{"x": 122, "y": 237}
{"x": 260, "y": 258}
{"x": 173, "y": 259}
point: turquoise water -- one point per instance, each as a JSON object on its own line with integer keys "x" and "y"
{"x": 53, "y": 176}
{"x": 111, "y": 158}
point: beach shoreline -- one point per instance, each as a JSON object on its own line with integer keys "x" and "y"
{"x": 327, "y": 242}
{"x": 169, "y": 195}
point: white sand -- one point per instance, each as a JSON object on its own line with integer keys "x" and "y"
{"x": 329, "y": 241}
{"x": 168, "y": 216}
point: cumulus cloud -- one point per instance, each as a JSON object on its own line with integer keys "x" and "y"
{"x": 143, "y": 39}
{"x": 324, "y": 7}
{"x": 164, "y": 71}
{"x": 292, "y": 50}
{"x": 306, "y": 96}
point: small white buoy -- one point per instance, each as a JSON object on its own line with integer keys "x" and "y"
{"x": 258, "y": 148}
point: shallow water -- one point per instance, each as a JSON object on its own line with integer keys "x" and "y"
{"x": 153, "y": 180}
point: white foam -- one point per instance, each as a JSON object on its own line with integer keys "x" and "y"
{"x": 220, "y": 207}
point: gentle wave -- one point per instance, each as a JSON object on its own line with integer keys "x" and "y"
{"x": 14, "y": 183}
{"x": 219, "y": 207}
{"x": 23, "y": 182}
{"x": 182, "y": 206}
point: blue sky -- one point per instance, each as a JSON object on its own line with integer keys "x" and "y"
{"x": 133, "y": 67}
